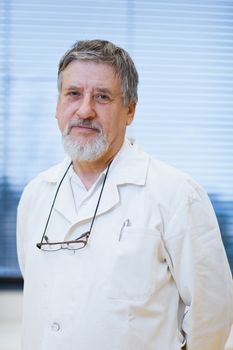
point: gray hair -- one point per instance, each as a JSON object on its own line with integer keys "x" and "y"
{"x": 102, "y": 51}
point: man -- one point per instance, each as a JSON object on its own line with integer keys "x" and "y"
{"x": 118, "y": 251}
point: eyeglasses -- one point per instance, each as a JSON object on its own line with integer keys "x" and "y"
{"x": 77, "y": 243}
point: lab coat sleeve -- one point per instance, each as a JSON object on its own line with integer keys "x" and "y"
{"x": 200, "y": 268}
{"x": 20, "y": 229}
{"x": 24, "y": 211}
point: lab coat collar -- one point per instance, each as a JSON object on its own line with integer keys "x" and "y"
{"x": 130, "y": 164}
{"x": 129, "y": 167}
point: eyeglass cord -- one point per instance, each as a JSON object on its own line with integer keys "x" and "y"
{"x": 55, "y": 196}
{"x": 54, "y": 199}
{"x": 100, "y": 195}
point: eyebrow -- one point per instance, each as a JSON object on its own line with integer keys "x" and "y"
{"x": 97, "y": 89}
{"x": 72, "y": 87}
{"x": 104, "y": 90}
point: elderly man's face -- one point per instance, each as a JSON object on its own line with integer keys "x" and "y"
{"x": 90, "y": 110}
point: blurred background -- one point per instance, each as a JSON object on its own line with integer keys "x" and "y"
{"x": 183, "y": 50}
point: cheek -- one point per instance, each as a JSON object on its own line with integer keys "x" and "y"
{"x": 116, "y": 121}
{"x": 61, "y": 123}
{"x": 64, "y": 114}
{"x": 108, "y": 122}
{"x": 113, "y": 128}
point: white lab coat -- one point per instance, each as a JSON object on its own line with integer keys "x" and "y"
{"x": 153, "y": 273}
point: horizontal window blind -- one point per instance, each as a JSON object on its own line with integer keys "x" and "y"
{"x": 183, "y": 51}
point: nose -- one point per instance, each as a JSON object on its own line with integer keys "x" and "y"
{"x": 86, "y": 108}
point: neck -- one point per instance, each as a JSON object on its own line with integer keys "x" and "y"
{"x": 89, "y": 171}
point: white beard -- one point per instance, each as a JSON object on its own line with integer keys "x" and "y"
{"x": 88, "y": 149}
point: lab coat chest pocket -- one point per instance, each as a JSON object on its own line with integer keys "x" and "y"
{"x": 136, "y": 265}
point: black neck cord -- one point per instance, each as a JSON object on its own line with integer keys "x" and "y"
{"x": 56, "y": 193}
{"x": 97, "y": 205}
{"x": 54, "y": 199}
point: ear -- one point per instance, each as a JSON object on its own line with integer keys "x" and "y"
{"x": 130, "y": 113}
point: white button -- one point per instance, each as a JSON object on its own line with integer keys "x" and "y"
{"x": 55, "y": 327}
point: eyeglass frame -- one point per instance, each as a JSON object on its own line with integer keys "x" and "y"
{"x": 51, "y": 246}
{"x": 86, "y": 235}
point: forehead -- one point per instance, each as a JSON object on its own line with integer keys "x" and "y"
{"x": 90, "y": 74}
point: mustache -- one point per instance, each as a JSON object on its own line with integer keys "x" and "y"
{"x": 81, "y": 122}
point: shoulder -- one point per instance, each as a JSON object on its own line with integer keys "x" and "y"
{"x": 163, "y": 181}
{"x": 165, "y": 174}
{"x": 171, "y": 186}
{"x": 43, "y": 183}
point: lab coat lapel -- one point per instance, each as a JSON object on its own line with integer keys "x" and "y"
{"x": 110, "y": 198}
{"x": 65, "y": 204}
{"x": 129, "y": 167}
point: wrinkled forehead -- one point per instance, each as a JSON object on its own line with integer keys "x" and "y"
{"x": 89, "y": 74}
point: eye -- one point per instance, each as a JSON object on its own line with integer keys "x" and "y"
{"x": 74, "y": 93}
{"x": 102, "y": 98}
